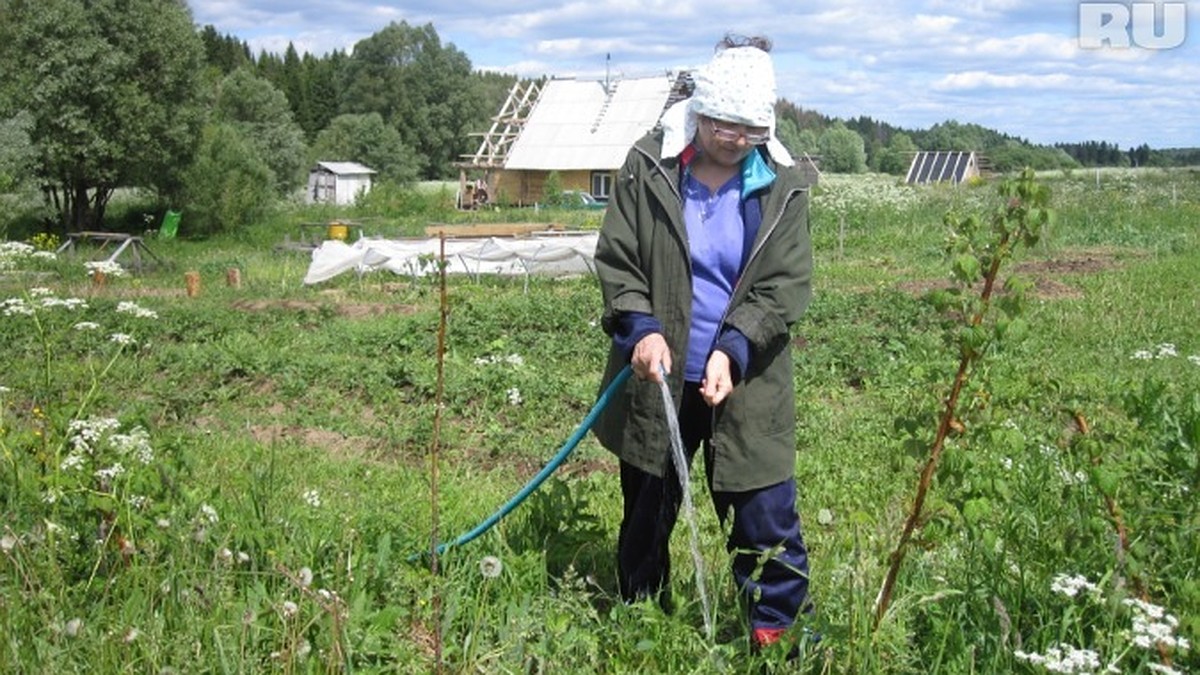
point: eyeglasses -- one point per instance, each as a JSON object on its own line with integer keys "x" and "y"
{"x": 732, "y": 135}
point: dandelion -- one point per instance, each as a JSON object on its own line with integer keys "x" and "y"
{"x": 8, "y": 543}
{"x": 289, "y": 609}
{"x": 122, "y": 339}
{"x": 304, "y": 648}
{"x": 490, "y": 567}
{"x": 243, "y": 557}
{"x": 225, "y": 555}
{"x": 73, "y": 627}
{"x": 514, "y": 396}
{"x": 87, "y": 325}
{"x": 249, "y": 617}
{"x": 312, "y": 498}
{"x": 131, "y": 635}
{"x": 306, "y": 577}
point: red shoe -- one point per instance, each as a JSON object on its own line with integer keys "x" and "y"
{"x": 763, "y": 637}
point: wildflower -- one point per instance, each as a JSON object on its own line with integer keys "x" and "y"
{"x": 304, "y": 648}
{"x": 162, "y": 523}
{"x": 490, "y": 567}
{"x": 243, "y": 557}
{"x": 130, "y": 635}
{"x": 289, "y": 609}
{"x": 71, "y": 462}
{"x": 249, "y": 617}
{"x": 1007, "y": 463}
{"x": 1160, "y": 668}
{"x": 1063, "y": 658}
{"x": 312, "y": 498}
{"x": 1195, "y": 359}
{"x": 225, "y": 555}
{"x": 136, "y": 443}
{"x": 208, "y": 513}
{"x": 136, "y": 310}
{"x": 1166, "y": 350}
{"x": 40, "y": 292}
{"x": 73, "y": 627}
{"x": 111, "y": 472}
{"x": 5, "y": 390}
{"x": 8, "y": 543}
{"x": 306, "y": 577}
{"x": 106, "y": 267}
{"x": 1154, "y": 627}
{"x": 514, "y": 396}
{"x": 69, "y": 304}
{"x": 127, "y": 547}
{"x": 138, "y": 501}
{"x": 16, "y": 307}
{"x": 122, "y": 339}
{"x": 514, "y": 360}
{"x": 87, "y": 325}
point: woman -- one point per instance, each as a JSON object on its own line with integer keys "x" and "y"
{"x": 704, "y": 260}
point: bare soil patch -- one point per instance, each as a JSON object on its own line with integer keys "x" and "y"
{"x": 1050, "y": 276}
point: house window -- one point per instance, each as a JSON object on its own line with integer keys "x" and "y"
{"x": 601, "y": 184}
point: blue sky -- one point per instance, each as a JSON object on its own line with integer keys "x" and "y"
{"x": 1012, "y": 65}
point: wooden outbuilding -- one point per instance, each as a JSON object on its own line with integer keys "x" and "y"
{"x": 338, "y": 182}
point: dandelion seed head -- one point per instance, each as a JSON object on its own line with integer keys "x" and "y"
{"x": 306, "y": 577}
{"x": 131, "y": 635}
{"x": 312, "y": 498}
{"x": 490, "y": 567}
{"x": 289, "y": 609}
{"x": 73, "y": 627}
{"x": 225, "y": 555}
{"x": 243, "y": 557}
{"x": 8, "y": 543}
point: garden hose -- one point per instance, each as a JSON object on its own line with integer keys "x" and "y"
{"x": 535, "y": 482}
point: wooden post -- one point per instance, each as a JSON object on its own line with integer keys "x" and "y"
{"x": 233, "y": 277}
{"x": 192, "y": 279}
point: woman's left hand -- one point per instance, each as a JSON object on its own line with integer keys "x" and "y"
{"x": 718, "y": 379}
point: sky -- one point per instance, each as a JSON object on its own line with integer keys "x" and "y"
{"x": 1028, "y": 68}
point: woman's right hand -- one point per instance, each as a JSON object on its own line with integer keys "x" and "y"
{"x": 648, "y": 353}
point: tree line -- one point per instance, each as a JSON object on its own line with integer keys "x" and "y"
{"x": 105, "y": 94}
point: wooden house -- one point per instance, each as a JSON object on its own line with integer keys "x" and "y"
{"x": 338, "y": 182}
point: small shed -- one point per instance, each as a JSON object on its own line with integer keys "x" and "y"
{"x": 338, "y": 182}
{"x": 937, "y": 166}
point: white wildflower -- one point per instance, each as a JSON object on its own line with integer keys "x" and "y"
{"x": 243, "y": 557}
{"x": 1071, "y": 585}
{"x": 490, "y": 567}
{"x": 1195, "y": 359}
{"x": 1142, "y": 355}
{"x": 40, "y": 292}
{"x": 5, "y": 390}
{"x": 1063, "y": 658}
{"x": 122, "y": 339}
{"x": 8, "y": 543}
{"x": 514, "y": 360}
{"x": 312, "y": 498}
{"x": 1007, "y": 463}
{"x": 289, "y": 609}
{"x": 135, "y": 444}
{"x": 1154, "y": 627}
{"x": 1166, "y": 350}
{"x": 16, "y": 307}
{"x": 306, "y": 577}
{"x": 304, "y": 648}
{"x": 136, "y": 310}
{"x": 73, "y": 627}
{"x": 87, "y": 325}
{"x": 111, "y": 472}
{"x": 86, "y": 434}
{"x": 514, "y": 396}
{"x": 138, "y": 501}
{"x": 131, "y": 635}
{"x": 208, "y": 513}
{"x": 108, "y": 268}
{"x": 69, "y": 304}
{"x": 1161, "y": 668}
{"x": 162, "y": 523}
{"x": 71, "y": 462}
{"x": 225, "y": 555}
{"x": 49, "y": 256}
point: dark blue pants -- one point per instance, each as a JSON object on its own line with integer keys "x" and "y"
{"x": 763, "y": 520}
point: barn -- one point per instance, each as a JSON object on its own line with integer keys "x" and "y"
{"x": 338, "y": 182}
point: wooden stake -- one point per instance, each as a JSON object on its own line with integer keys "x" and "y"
{"x": 233, "y": 277}
{"x": 192, "y": 279}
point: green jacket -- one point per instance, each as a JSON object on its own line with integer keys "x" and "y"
{"x": 643, "y": 264}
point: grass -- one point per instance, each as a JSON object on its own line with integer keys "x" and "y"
{"x": 290, "y": 428}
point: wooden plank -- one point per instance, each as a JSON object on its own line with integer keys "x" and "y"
{"x": 489, "y": 229}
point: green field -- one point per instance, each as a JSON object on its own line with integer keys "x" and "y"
{"x": 241, "y": 481}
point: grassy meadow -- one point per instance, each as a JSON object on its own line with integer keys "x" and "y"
{"x": 241, "y": 481}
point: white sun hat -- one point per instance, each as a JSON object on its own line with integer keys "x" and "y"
{"x": 738, "y": 86}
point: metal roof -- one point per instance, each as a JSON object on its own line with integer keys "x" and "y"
{"x": 576, "y": 125}
{"x": 345, "y": 168}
